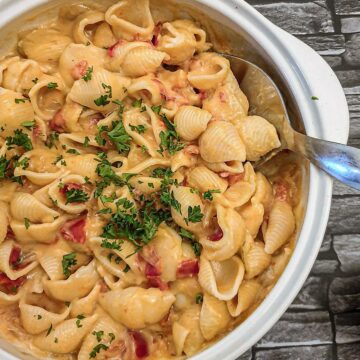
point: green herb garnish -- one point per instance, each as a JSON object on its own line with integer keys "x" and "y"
{"x": 68, "y": 261}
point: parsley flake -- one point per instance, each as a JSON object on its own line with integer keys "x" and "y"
{"x": 68, "y": 261}
{"x": 88, "y": 76}
{"x": 52, "y": 85}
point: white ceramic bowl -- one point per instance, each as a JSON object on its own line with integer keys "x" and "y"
{"x": 305, "y": 74}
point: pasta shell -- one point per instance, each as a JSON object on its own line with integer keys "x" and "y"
{"x": 41, "y": 170}
{"x": 46, "y": 99}
{"x": 66, "y": 337}
{"x": 232, "y": 167}
{"x": 280, "y": 227}
{"x": 191, "y": 122}
{"x": 43, "y": 233}
{"x": 256, "y": 260}
{"x": 4, "y": 220}
{"x": 221, "y": 279}
{"x": 136, "y": 307}
{"x": 183, "y": 159}
{"x": 7, "y": 190}
{"x": 245, "y": 298}
{"x": 221, "y": 143}
{"x": 186, "y": 200}
{"x": 126, "y": 24}
{"x": 264, "y": 192}
{"x": 228, "y": 102}
{"x": 9, "y": 299}
{"x": 5, "y": 254}
{"x": 89, "y": 18}
{"x": 204, "y": 179}
{"x": 146, "y": 85}
{"x": 74, "y": 54}
{"x": 234, "y": 232}
{"x": 24, "y": 205}
{"x": 77, "y": 285}
{"x": 35, "y": 319}
{"x": 60, "y": 200}
{"x": 142, "y": 60}
{"x": 104, "y": 37}
{"x": 106, "y": 326}
{"x": 87, "y": 304}
{"x": 253, "y": 215}
{"x": 189, "y": 324}
{"x": 44, "y": 45}
{"x": 208, "y": 71}
{"x": 86, "y": 92}
{"x": 214, "y": 317}
{"x": 12, "y": 114}
{"x": 179, "y": 334}
{"x": 258, "y": 135}
{"x": 83, "y": 165}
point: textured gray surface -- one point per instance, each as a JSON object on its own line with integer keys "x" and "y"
{"x": 323, "y": 323}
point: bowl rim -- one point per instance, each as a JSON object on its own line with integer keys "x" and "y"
{"x": 320, "y": 186}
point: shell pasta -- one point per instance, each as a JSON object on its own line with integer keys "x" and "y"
{"x": 133, "y": 224}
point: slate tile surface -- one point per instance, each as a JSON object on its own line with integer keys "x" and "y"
{"x": 323, "y": 323}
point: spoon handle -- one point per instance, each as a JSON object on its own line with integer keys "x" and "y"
{"x": 340, "y": 161}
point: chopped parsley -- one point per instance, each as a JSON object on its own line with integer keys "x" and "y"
{"x": 76, "y": 196}
{"x": 52, "y": 85}
{"x": 137, "y": 103}
{"x": 18, "y": 101}
{"x": 207, "y": 195}
{"x": 197, "y": 248}
{"x": 4, "y": 163}
{"x": 169, "y": 139}
{"x": 49, "y": 330}
{"x": 140, "y": 129}
{"x": 51, "y": 140}
{"x": 314, "y": 98}
{"x": 19, "y": 139}
{"x": 88, "y": 76}
{"x": 112, "y": 337}
{"x": 97, "y": 349}
{"x": 114, "y": 245}
{"x": 73, "y": 151}
{"x": 168, "y": 198}
{"x": 23, "y": 164}
{"x": 29, "y": 124}
{"x": 78, "y": 321}
{"x": 186, "y": 234}
{"x": 86, "y": 141}
{"x": 127, "y": 268}
{"x": 99, "y": 335}
{"x": 194, "y": 214}
{"x": 156, "y": 109}
{"x": 162, "y": 173}
{"x": 103, "y": 100}
{"x": 26, "y": 223}
{"x": 68, "y": 261}
{"x": 199, "y": 298}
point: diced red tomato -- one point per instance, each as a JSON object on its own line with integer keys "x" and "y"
{"x": 9, "y": 285}
{"x": 79, "y": 70}
{"x": 188, "y": 268}
{"x": 151, "y": 270}
{"x": 74, "y": 230}
{"x": 69, "y": 186}
{"x": 57, "y": 123}
{"x": 141, "y": 348}
{"x": 217, "y": 234}
{"x": 15, "y": 256}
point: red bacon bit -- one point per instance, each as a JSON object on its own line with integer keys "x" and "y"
{"x": 156, "y": 36}
{"x": 163, "y": 92}
{"x": 140, "y": 345}
{"x": 74, "y": 230}
{"x": 57, "y": 123}
{"x": 156, "y": 282}
{"x": 10, "y": 234}
{"x": 151, "y": 271}
{"x": 15, "y": 256}
{"x": 192, "y": 150}
{"x": 281, "y": 191}
{"x": 234, "y": 178}
{"x": 217, "y": 234}
{"x": 9, "y": 285}
{"x": 112, "y": 50}
{"x": 68, "y": 187}
{"x": 36, "y": 132}
{"x": 203, "y": 95}
{"x": 79, "y": 70}
{"x": 188, "y": 268}
{"x": 222, "y": 97}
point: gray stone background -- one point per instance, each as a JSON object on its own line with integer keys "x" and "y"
{"x": 324, "y": 320}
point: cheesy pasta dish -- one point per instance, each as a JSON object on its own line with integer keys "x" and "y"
{"x": 133, "y": 224}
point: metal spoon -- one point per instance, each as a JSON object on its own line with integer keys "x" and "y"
{"x": 340, "y": 161}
